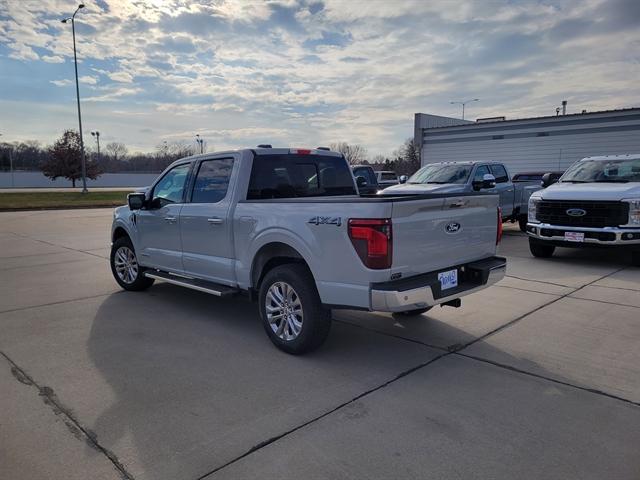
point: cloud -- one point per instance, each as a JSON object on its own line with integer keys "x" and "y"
{"x": 123, "y": 77}
{"x": 61, "y": 83}
{"x": 307, "y": 71}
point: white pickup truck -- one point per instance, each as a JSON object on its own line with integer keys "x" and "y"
{"x": 596, "y": 203}
{"x": 288, "y": 227}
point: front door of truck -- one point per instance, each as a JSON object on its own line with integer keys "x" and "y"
{"x": 504, "y": 188}
{"x": 159, "y": 223}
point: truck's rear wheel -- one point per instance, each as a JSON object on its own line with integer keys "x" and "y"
{"x": 125, "y": 268}
{"x": 540, "y": 249}
{"x": 291, "y": 311}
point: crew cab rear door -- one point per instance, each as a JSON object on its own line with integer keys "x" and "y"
{"x": 205, "y": 229}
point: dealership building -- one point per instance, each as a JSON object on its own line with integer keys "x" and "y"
{"x": 528, "y": 144}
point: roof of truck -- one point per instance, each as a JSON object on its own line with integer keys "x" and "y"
{"x": 628, "y": 156}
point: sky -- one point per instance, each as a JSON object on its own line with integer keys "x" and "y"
{"x": 305, "y": 72}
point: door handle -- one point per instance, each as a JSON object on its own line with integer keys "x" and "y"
{"x": 170, "y": 219}
{"x": 459, "y": 203}
{"x": 215, "y": 221}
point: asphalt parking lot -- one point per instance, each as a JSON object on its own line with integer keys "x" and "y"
{"x": 537, "y": 377}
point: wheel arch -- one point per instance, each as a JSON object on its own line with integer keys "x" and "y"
{"x": 270, "y": 256}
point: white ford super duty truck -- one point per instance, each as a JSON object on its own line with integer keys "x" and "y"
{"x": 596, "y": 203}
{"x": 288, "y": 227}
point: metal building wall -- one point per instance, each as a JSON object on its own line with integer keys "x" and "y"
{"x": 542, "y": 144}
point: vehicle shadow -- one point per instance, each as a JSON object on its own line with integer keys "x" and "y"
{"x": 195, "y": 381}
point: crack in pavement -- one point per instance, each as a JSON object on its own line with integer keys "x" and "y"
{"x": 543, "y": 377}
{"x": 75, "y": 427}
{"x": 51, "y": 244}
{"x": 453, "y": 350}
{"x": 61, "y": 302}
{"x": 275, "y": 438}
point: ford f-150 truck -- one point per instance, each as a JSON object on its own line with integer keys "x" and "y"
{"x": 458, "y": 177}
{"x": 288, "y": 227}
{"x": 596, "y": 202}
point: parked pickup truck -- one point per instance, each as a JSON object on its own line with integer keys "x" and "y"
{"x": 459, "y": 177}
{"x": 288, "y": 227}
{"x": 595, "y": 203}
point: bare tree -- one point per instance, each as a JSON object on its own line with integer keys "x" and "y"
{"x": 355, "y": 154}
{"x": 116, "y": 151}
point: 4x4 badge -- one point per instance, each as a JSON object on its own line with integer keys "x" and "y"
{"x": 337, "y": 221}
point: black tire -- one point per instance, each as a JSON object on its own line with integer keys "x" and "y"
{"x": 414, "y": 313}
{"x": 522, "y": 222}
{"x": 635, "y": 258}
{"x": 540, "y": 249}
{"x": 139, "y": 281}
{"x": 316, "y": 319}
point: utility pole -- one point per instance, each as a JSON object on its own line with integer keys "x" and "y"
{"x": 200, "y": 142}
{"x": 75, "y": 60}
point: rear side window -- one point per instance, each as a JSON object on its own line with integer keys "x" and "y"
{"x": 384, "y": 176}
{"x": 292, "y": 176}
{"x": 500, "y": 173}
{"x": 212, "y": 180}
{"x": 365, "y": 172}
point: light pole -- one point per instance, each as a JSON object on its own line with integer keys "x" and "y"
{"x": 200, "y": 142}
{"x": 464, "y": 103}
{"x": 96, "y": 134}
{"x": 75, "y": 59}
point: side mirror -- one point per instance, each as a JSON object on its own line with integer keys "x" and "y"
{"x": 136, "y": 200}
{"x": 488, "y": 181}
{"x": 361, "y": 181}
{"x": 548, "y": 179}
{"x": 403, "y": 179}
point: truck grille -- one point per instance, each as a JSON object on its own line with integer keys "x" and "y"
{"x": 598, "y": 214}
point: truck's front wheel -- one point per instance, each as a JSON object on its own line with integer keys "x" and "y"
{"x": 540, "y": 249}
{"x": 292, "y": 313}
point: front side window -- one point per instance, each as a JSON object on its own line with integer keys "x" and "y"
{"x": 171, "y": 187}
{"x": 212, "y": 181}
{"x": 500, "y": 173}
{"x": 481, "y": 171}
{"x": 292, "y": 176}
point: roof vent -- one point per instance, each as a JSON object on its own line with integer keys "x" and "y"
{"x": 265, "y": 145}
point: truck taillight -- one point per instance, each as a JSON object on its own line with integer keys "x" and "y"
{"x": 499, "y": 231}
{"x": 372, "y": 240}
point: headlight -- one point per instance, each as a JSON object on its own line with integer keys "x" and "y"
{"x": 634, "y": 211}
{"x": 533, "y": 207}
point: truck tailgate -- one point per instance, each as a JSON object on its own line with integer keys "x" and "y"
{"x": 434, "y": 233}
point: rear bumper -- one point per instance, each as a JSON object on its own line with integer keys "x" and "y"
{"x": 613, "y": 236}
{"x": 424, "y": 290}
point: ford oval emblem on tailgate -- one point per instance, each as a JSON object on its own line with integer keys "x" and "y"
{"x": 576, "y": 212}
{"x": 453, "y": 227}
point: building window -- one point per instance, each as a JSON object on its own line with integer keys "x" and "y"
{"x": 498, "y": 137}
{"x": 542, "y": 134}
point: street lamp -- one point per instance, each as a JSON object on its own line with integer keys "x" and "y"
{"x": 464, "y": 103}
{"x": 200, "y": 142}
{"x": 75, "y": 59}
{"x": 96, "y": 134}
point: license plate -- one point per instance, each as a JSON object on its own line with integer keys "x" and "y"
{"x": 574, "y": 236}
{"x": 448, "y": 279}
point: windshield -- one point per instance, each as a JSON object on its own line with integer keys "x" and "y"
{"x": 613, "y": 171}
{"x": 438, "y": 173}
